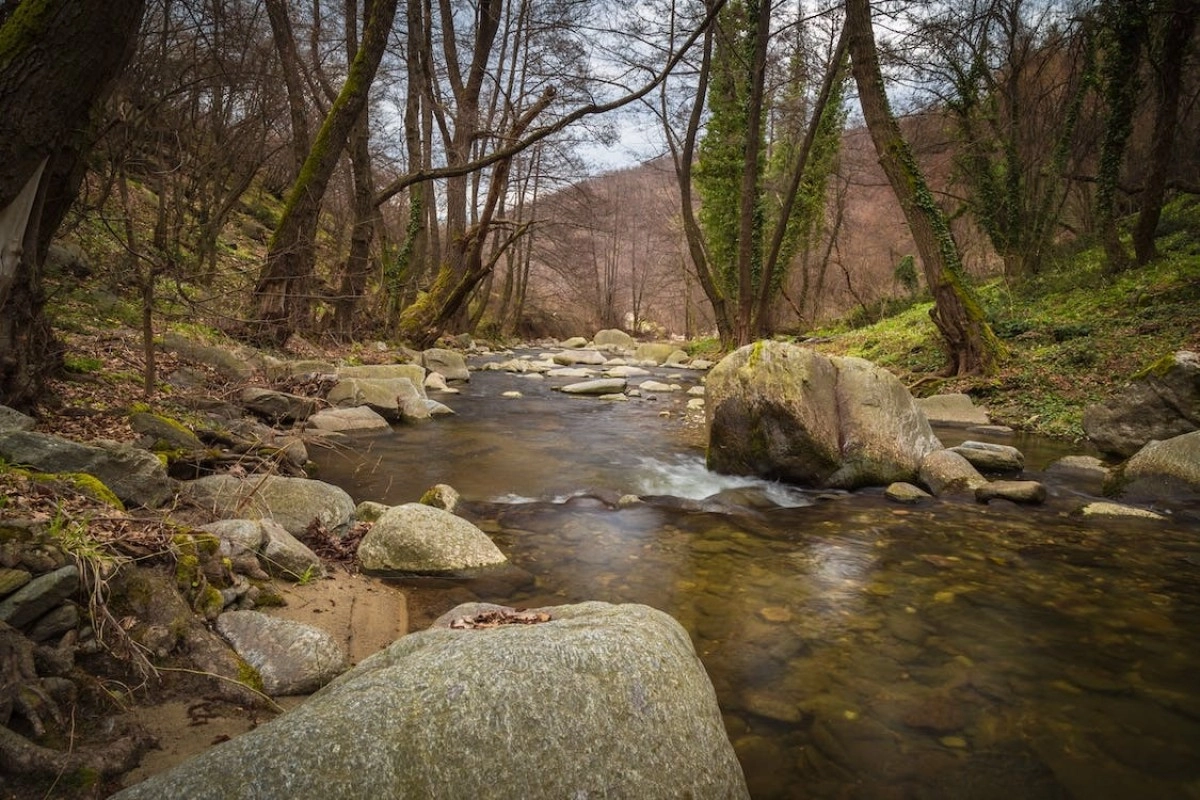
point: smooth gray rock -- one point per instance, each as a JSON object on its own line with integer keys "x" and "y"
{"x": 659, "y": 387}
{"x": 625, "y": 371}
{"x": 39, "y": 596}
{"x": 603, "y": 701}
{"x": 13, "y": 420}
{"x": 571, "y": 357}
{"x": 598, "y": 386}
{"x": 384, "y": 396}
{"x": 574, "y": 342}
{"x": 782, "y": 411}
{"x": 55, "y": 622}
{"x": 614, "y": 339}
{"x": 436, "y": 382}
{"x": 988, "y": 457}
{"x": 163, "y": 433}
{"x": 1161, "y": 403}
{"x": 357, "y": 418}
{"x": 450, "y": 364}
{"x": 571, "y": 372}
{"x": 437, "y": 409}
{"x": 1023, "y": 492}
{"x": 945, "y": 472}
{"x": 442, "y": 496}
{"x": 134, "y": 475}
{"x": 292, "y": 502}
{"x": 298, "y": 369}
{"x": 901, "y": 492}
{"x": 952, "y": 409}
{"x": 277, "y": 406}
{"x": 285, "y": 556}
{"x": 423, "y": 539}
{"x": 236, "y": 535}
{"x": 1168, "y": 470}
{"x": 291, "y": 657}
{"x": 413, "y": 372}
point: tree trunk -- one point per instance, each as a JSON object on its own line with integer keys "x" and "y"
{"x": 289, "y": 62}
{"x": 58, "y": 60}
{"x": 969, "y": 342}
{"x": 1177, "y": 28}
{"x": 282, "y": 294}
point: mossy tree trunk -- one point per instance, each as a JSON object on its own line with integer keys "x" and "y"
{"x": 283, "y": 296}
{"x": 1177, "y": 26}
{"x": 970, "y": 344}
{"x": 58, "y": 61}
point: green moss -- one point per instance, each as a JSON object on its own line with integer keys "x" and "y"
{"x": 85, "y": 484}
{"x": 249, "y": 676}
{"x": 1158, "y": 369}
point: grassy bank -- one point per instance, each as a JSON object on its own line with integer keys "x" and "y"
{"x": 1074, "y": 333}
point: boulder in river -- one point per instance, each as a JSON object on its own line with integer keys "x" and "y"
{"x": 946, "y": 472}
{"x": 1162, "y": 402}
{"x": 782, "y": 411}
{"x": 356, "y": 418}
{"x": 451, "y": 365}
{"x": 988, "y": 457}
{"x": 598, "y": 386}
{"x": 1168, "y": 470}
{"x": 388, "y": 397}
{"x": 613, "y": 339}
{"x": 424, "y": 539}
{"x": 596, "y": 701}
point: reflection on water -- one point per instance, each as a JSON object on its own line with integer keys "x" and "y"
{"x": 858, "y": 649}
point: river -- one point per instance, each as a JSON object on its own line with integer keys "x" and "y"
{"x": 858, "y": 648}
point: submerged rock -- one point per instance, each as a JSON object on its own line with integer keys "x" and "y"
{"x": 1024, "y": 492}
{"x": 901, "y": 492}
{"x": 600, "y": 701}
{"x": 782, "y": 411}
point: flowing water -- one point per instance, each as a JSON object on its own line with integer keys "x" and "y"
{"x": 859, "y": 649}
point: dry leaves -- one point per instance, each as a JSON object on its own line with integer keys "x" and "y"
{"x": 494, "y": 619}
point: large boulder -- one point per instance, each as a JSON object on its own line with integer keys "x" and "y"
{"x": 134, "y": 475}
{"x": 392, "y": 398}
{"x": 414, "y": 372}
{"x": 1160, "y": 403}
{"x": 600, "y": 701}
{"x": 656, "y": 352}
{"x": 234, "y": 363}
{"x": 451, "y": 365}
{"x": 13, "y": 420}
{"x": 787, "y": 412}
{"x": 292, "y": 502}
{"x": 276, "y": 406}
{"x": 598, "y": 386}
{"x": 945, "y": 472}
{"x": 420, "y": 538}
{"x": 613, "y": 339}
{"x": 1168, "y": 470}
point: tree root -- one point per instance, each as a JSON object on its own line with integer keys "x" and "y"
{"x": 19, "y": 756}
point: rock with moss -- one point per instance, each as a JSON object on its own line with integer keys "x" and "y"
{"x": 417, "y": 538}
{"x": 1161, "y": 471}
{"x": 413, "y": 372}
{"x": 290, "y": 657}
{"x": 442, "y": 496}
{"x": 603, "y": 701}
{"x": 786, "y": 412}
{"x": 161, "y": 432}
{"x": 233, "y": 363}
{"x": 1161, "y": 402}
{"x": 134, "y": 475}
{"x": 295, "y": 503}
{"x": 656, "y": 353}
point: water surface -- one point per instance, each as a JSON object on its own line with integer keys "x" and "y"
{"x": 859, "y": 649}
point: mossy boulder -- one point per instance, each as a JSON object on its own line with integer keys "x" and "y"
{"x": 295, "y": 503}
{"x": 162, "y": 433}
{"x": 789, "y": 413}
{"x": 1161, "y": 471}
{"x": 1161, "y": 402}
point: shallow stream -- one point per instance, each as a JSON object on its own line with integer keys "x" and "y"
{"x": 859, "y": 649}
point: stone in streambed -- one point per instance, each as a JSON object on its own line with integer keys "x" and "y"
{"x": 423, "y": 539}
{"x": 600, "y": 701}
